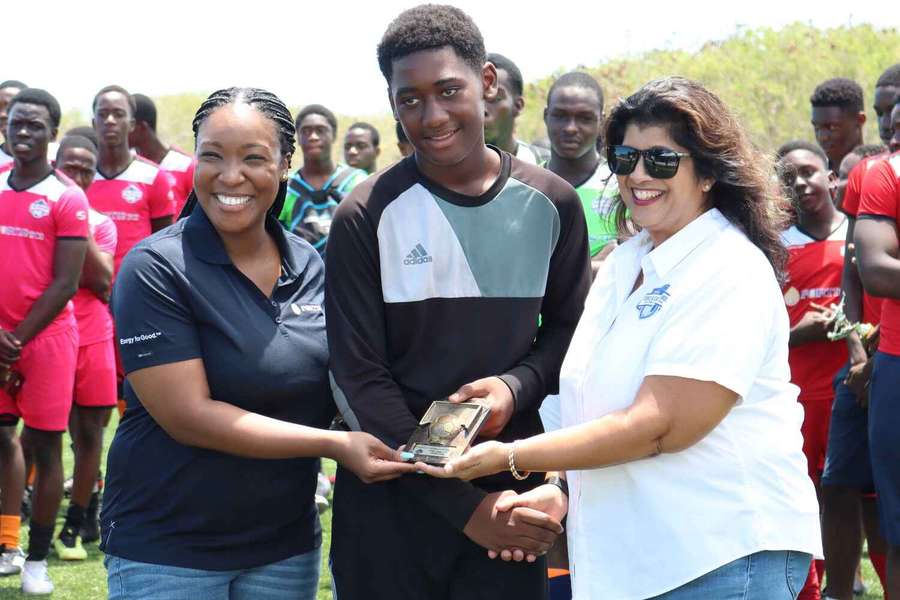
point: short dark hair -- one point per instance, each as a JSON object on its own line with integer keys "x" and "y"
{"x": 793, "y": 145}
{"x": 12, "y": 83}
{"x": 115, "y": 88}
{"x": 867, "y": 150}
{"x": 317, "y": 109}
{"x": 515, "y": 75}
{"x": 578, "y": 79}
{"x": 376, "y": 138}
{"x": 841, "y": 92}
{"x": 429, "y": 27}
{"x": 41, "y": 98}
{"x": 144, "y": 110}
{"x": 85, "y": 131}
{"x": 401, "y": 135}
{"x": 76, "y": 141}
{"x": 890, "y": 77}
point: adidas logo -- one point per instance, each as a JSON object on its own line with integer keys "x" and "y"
{"x": 418, "y": 256}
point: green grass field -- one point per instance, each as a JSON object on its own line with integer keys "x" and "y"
{"x": 87, "y": 580}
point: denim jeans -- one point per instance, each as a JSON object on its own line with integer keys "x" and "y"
{"x": 295, "y": 578}
{"x": 760, "y": 576}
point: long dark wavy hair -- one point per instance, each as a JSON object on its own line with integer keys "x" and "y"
{"x": 744, "y": 189}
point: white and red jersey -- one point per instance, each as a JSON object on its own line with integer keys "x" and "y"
{"x": 181, "y": 168}
{"x": 95, "y": 322}
{"x": 881, "y": 197}
{"x": 31, "y": 221}
{"x": 134, "y": 197}
{"x": 814, "y": 277}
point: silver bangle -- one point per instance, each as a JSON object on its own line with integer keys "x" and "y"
{"x": 512, "y": 464}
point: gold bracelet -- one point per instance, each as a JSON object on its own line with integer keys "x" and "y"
{"x": 512, "y": 464}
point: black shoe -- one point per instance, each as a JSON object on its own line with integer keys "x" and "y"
{"x": 90, "y": 529}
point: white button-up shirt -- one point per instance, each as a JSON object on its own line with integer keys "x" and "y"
{"x": 709, "y": 309}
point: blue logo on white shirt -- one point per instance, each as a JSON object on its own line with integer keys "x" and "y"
{"x": 653, "y": 301}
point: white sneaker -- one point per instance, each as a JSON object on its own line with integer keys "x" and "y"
{"x": 11, "y": 562}
{"x": 35, "y": 579}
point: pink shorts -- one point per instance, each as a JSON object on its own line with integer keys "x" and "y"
{"x": 48, "y": 366}
{"x": 95, "y": 376}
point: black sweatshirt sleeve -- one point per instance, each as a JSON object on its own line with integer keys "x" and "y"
{"x": 568, "y": 282}
{"x": 366, "y": 393}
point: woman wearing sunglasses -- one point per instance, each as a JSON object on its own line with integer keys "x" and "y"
{"x": 679, "y": 431}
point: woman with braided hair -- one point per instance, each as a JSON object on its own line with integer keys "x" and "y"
{"x": 211, "y": 474}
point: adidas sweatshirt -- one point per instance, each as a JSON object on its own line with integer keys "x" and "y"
{"x": 428, "y": 289}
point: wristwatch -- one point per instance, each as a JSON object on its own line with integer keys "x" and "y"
{"x": 558, "y": 482}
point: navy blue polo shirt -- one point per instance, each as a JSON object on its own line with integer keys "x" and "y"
{"x": 179, "y": 297}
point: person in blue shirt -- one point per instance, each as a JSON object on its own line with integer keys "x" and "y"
{"x": 219, "y": 320}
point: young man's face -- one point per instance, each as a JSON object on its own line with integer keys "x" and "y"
{"x": 315, "y": 136}
{"x": 808, "y": 177}
{"x": 838, "y": 130}
{"x": 885, "y": 97}
{"x": 573, "y": 121}
{"x": 28, "y": 132}
{"x": 359, "y": 150}
{"x": 79, "y": 165}
{"x": 440, "y": 99}
{"x": 6, "y": 94}
{"x": 113, "y": 119}
{"x": 501, "y": 112}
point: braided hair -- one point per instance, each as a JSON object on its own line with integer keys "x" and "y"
{"x": 266, "y": 103}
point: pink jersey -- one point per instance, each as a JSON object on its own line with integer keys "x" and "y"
{"x": 132, "y": 198}
{"x": 31, "y": 221}
{"x": 94, "y": 320}
{"x": 181, "y": 168}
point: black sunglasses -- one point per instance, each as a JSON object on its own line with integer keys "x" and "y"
{"x": 660, "y": 163}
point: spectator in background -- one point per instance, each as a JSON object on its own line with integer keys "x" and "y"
{"x": 144, "y": 139}
{"x": 362, "y": 145}
{"x": 95, "y": 373}
{"x": 319, "y": 185}
{"x": 502, "y": 111}
{"x": 838, "y": 117}
{"x": 8, "y": 90}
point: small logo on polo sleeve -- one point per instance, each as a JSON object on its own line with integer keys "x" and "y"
{"x": 299, "y": 309}
{"x": 653, "y": 301}
{"x": 81, "y": 215}
{"x": 418, "y": 256}
{"x": 39, "y": 208}
{"x": 137, "y": 339}
{"x": 132, "y": 194}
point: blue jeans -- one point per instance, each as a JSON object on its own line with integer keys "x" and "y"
{"x": 295, "y": 578}
{"x": 760, "y": 576}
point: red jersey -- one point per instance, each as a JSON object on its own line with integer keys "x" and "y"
{"x": 92, "y": 314}
{"x": 31, "y": 221}
{"x": 814, "y": 276}
{"x": 881, "y": 197}
{"x": 871, "y": 308}
{"x": 180, "y": 167}
{"x": 132, "y": 198}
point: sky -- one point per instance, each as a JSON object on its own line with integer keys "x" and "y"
{"x": 324, "y": 52}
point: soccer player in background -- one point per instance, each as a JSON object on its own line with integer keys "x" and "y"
{"x": 502, "y": 111}
{"x": 887, "y": 89}
{"x": 144, "y": 139}
{"x": 43, "y": 240}
{"x": 95, "y": 374}
{"x": 403, "y": 144}
{"x": 8, "y": 90}
{"x": 437, "y": 271}
{"x": 362, "y": 147}
{"x": 815, "y": 245}
{"x": 574, "y": 117}
{"x": 838, "y": 117}
{"x": 317, "y": 187}
{"x": 877, "y": 240}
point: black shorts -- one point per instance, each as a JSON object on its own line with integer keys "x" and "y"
{"x": 386, "y": 545}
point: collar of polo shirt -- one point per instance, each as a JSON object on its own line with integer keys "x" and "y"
{"x": 667, "y": 255}
{"x": 206, "y": 244}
